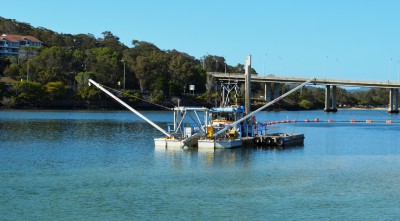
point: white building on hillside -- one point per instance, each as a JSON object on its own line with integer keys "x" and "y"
{"x": 12, "y": 45}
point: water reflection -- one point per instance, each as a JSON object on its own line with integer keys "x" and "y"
{"x": 281, "y": 148}
{"x": 244, "y": 157}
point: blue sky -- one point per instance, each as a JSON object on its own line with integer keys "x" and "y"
{"x": 334, "y": 39}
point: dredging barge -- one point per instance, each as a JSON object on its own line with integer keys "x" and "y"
{"x": 220, "y": 127}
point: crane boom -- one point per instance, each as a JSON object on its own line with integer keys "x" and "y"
{"x": 129, "y": 107}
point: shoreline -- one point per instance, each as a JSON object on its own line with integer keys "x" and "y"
{"x": 143, "y": 108}
{"x": 363, "y": 108}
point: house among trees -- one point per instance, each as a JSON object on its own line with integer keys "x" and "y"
{"x": 13, "y": 45}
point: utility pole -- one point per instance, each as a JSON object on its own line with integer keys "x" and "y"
{"x": 325, "y": 67}
{"x": 398, "y": 76}
{"x": 123, "y": 61}
{"x": 390, "y": 64}
{"x": 27, "y": 71}
{"x": 337, "y": 74}
{"x": 265, "y": 58}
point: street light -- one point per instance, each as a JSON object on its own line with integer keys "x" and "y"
{"x": 325, "y": 67}
{"x": 337, "y": 74}
{"x": 265, "y": 58}
{"x": 390, "y": 64}
{"x": 398, "y": 76}
{"x": 123, "y": 61}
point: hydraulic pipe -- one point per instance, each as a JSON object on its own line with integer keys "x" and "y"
{"x": 129, "y": 107}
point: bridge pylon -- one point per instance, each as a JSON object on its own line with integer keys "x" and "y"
{"x": 330, "y": 98}
{"x": 393, "y": 101}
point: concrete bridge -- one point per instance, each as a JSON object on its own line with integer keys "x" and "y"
{"x": 273, "y": 84}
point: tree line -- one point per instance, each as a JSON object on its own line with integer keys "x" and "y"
{"x": 65, "y": 63}
{"x": 60, "y": 70}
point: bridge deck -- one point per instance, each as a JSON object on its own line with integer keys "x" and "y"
{"x": 319, "y": 81}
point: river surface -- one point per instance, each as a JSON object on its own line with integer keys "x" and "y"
{"x": 77, "y": 165}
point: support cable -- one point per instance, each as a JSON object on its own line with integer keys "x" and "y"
{"x": 129, "y": 107}
{"x": 129, "y": 95}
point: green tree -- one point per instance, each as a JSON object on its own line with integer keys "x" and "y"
{"x": 158, "y": 85}
{"x": 199, "y": 79}
{"x": 12, "y": 71}
{"x": 149, "y": 67}
{"x": 55, "y": 90}
{"x": 142, "y": 52}
{"x": 306, "y": 104}
{"x": 52, "y": 64}
{"x": 181, "y": 67}
{"x": 140, "y": 48}
{"x": 213, "y": 63}
{"x": 239, "y": 68}
{"x": 83, "y": 42}
{"x": 132, "y": 96}
{"x": 83, "y": 78}
{"x": 28, "y": 92}
{"x": 4, "y": 63}
{"x": 84, "y": 91}
{"x": 78, "y": 61}
{"x": 106, "y": 64}
{"x": 373, "y": 97}
{"x": 88, "y": 93}
{"x": 111, "y": 41}
{"x": 3, "y": 90}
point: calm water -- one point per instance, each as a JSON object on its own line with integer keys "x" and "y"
{"x": 103, "y": 166}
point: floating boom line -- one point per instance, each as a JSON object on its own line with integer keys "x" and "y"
{"x": 129, "y": 107}
{"x": 318, "y": 121}
{"x": 229, "y": 126}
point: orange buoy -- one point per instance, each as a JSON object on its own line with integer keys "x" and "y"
{"x": 352, "y": 121}
{"x": 368, "y": 121}
{"x": 316, "y": 120}
{"x": 294, "y": 121}
{"x": 330, "y": 121}
{"x": 388, "y": 121}
{"x": 307, "y": 120}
